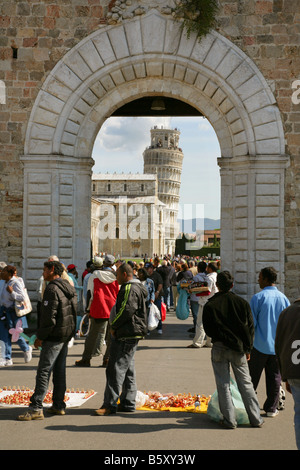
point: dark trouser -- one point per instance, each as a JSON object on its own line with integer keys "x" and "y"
{"x": 108, "y": 342}
{"x": 52, "y": 359}
{"x": 38, "y": 311}
{"x": 268, "y": 362}
{"x": 95, "y": 338}
{"x": 195, "y": 310}
{"x": 158, "y": 305}
{"x": 120, "y": 375}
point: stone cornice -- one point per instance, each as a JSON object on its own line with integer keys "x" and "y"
{"x": 257, "y": 161}
{"x": 57, "y": 161}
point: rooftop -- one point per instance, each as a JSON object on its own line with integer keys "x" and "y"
{"x": 124, "y": 176}
{"x": 130, "y": 200}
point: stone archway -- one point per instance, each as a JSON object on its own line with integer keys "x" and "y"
{"x": 150, "y": 55}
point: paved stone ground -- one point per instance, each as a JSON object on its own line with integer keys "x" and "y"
{"x": 163, "y": 363}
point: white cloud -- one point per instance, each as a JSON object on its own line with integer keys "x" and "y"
{"x": 121, "y": 142}
{"x": 127, "y": 134}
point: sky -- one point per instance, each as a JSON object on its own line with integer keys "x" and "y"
{"x": 121, "y": 141}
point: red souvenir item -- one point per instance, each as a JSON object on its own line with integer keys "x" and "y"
{"x": 163, "y": 311}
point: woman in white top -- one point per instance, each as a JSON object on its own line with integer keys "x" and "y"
{"x": 13, "y": 290}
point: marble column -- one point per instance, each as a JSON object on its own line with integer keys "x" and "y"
{"x": 252, "y": 218}
{"x": 56, "y": 212}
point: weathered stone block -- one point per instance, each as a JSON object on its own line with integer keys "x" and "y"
{"x": 267, "y": 212}
{"x": 267, "y": 222}
{"x": 153, "y": 31}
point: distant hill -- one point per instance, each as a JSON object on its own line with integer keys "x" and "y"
{"x": 190, "y": 225}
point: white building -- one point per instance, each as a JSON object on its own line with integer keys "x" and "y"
{"x": 134, "y": 214}
{"x": 127, "y": 216}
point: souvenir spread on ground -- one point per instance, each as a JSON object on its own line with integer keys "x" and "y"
{"x": 20, "y": 396}
{"x": 155, "y": 401}
{"x": 151, "y": 401}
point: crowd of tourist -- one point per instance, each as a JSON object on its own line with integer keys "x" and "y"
{"x": 114, "y": 297}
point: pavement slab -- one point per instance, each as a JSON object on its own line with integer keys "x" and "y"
{"x": 164, "y": 364}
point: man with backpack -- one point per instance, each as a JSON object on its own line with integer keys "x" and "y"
{"x": 128, "y": 325}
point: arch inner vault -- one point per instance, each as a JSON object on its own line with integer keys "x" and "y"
{"x": 150, "y": 55}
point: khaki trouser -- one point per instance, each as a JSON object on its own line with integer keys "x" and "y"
{"x": 175, "y": 296}
{"x": 200, "y": 338}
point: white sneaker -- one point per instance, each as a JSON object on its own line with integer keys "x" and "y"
{"x": 8, "y": 362}
{"x": 28, "y": 354}
{"x": 2, "y": 362}
{"x": 271, "y": 414}
{"x": 159, "y": 332}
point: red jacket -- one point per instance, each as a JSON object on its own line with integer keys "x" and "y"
{"x": 104, "y": 290}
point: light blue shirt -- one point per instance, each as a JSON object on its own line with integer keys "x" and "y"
{"x": 84, "y": 292}
{"x": 266, "y": 307}
{"x": 200, "y": 277}
{"x": 77, "y": 287}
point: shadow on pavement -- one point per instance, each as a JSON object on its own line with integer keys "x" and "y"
{"x": 135, "y": 426}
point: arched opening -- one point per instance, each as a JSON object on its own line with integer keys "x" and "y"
{"x": 119, "y": 148}
{"x": 108, "y": 70}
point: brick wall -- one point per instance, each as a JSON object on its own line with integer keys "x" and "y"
{"x": 268, "y": 31}
{"x": 33, "y": 37}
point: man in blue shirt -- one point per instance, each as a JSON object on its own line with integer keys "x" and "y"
{"x": 266, "y": 307}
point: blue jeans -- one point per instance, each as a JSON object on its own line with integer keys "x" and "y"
{"x": 195, "y": 309}
{"x": 222, "y": 357}
{"x": 295, "y": 389}
{"x": 158, "y": 305}
{"x": 167, "y": 296}
{"x": 10, "y": 320}
{"x": 120, "y": 375}
{"x": 52, "y": 359}
{"x": 95, "y": 339}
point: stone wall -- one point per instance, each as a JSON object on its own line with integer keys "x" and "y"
{"x": 127, "y": 230}
{"x": 268, "y": 31}
{"x": 34, "y": 36}
{"x": 112, "y": 185}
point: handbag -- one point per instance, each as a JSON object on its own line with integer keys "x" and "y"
{"x": 213, "y": 409}
{"x": 154, "y": 317}
{"x": 84, "y": 326}
{"x": 23, "y": 307}
{"x": 163, "y": 311}
{"x": 182, "y": 308}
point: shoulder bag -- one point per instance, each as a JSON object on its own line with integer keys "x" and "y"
{"x": 23, "y": 307}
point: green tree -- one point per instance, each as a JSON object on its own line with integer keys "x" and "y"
{"x": 198, "y": 16}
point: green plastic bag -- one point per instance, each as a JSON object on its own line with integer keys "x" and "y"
{"x": 182, "y": 308}
{"x": 213, "y": 409}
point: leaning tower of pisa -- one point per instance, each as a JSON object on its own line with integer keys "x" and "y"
{"x": 164, "y": 157}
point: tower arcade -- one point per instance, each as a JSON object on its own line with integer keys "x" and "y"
{"x": 164, "y": 157}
